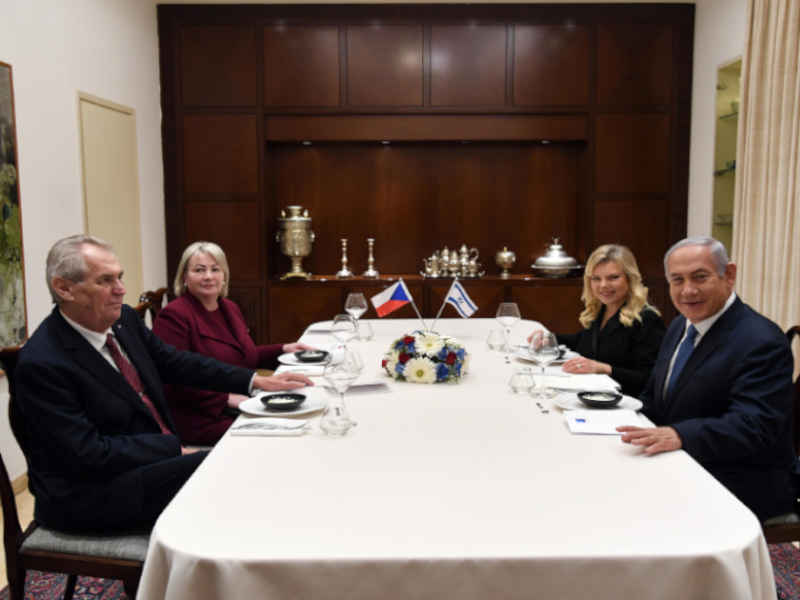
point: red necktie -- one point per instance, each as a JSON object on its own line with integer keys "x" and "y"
{"x": 132, "y": 377}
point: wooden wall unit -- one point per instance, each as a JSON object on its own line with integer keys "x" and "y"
{"x": 506, "y": 124}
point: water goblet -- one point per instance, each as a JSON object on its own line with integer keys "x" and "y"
{"x": 335, "y": 420}
{"x": 343, "y": 329}
{"x": 544, "y": 350}
{"x": 507, "y": 315}
{"x": 355, "y": 306}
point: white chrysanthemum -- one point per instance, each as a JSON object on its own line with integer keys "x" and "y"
{"x": 420, "y": 370}
{"x": 391, "y": 362}
{"x": 465, "y": 365}
{"x": 429, "y": 344}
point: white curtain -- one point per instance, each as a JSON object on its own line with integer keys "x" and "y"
{"x": 766, "y": 224}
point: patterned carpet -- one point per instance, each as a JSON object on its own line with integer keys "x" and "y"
{"x": 48, "y": 586}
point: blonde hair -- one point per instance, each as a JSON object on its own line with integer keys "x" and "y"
{"x": 635, "y": 303}
{"x": 215, "y": 252}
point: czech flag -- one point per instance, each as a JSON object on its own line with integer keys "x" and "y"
{"x": 390, "y": 299}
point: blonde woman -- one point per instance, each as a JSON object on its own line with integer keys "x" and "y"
{"x": 621, "y": 332}
{"x": 201, "y": 319}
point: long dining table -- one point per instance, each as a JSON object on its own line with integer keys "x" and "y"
{"x": 462, "y": 490}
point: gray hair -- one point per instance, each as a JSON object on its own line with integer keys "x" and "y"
{"x": 66, "y": 260}
{"x": 214, "y": 251}
{"x": 719, "y": 255}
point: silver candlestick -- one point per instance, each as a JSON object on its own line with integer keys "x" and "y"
{"x": 344, "y": 271}
{"x": 371, "y": 271}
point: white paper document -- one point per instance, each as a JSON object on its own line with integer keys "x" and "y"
{"x": 601, "y": 421}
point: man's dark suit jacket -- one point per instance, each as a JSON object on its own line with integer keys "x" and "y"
{"x": 631, "y": 351}
{"x": 84, "y": 430}
{"x": 732, "y": 406}
{"x": 201, "y": 416}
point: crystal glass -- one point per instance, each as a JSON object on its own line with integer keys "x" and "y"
{"x": 355, "y": 306}
{"x": 507, "y": 315}
{"x": 544, "y": 350}
{"x": 343, "y": 329}
{"x": 521, "y": 381}
{"x": 365, "y": 331}
{"x": 335, "y": 420}
{"x": 495, "y": 340}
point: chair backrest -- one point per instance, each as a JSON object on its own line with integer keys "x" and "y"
{"x": 790, "y": 333}
{"x": 156, "y": 300}
{"x": 150, "y": 303}
{"x": 12, "y": 532}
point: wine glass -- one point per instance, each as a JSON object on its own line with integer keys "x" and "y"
{"x": 355, "y": 306}
{"x": 343, "y": 329}
{"x": 544, "y": 350}
{"x": 507, "y": 315}
{"x": 335, "y": 418}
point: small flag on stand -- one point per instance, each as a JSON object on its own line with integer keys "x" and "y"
{"x": 458, "y": 298}
{"x": 389, "y": 300}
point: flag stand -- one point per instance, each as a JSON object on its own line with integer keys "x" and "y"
{"x": 444, "y": 301}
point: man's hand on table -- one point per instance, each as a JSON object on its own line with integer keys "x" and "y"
{"x": 652, "y": 439}
{"x": 282, "y": 381}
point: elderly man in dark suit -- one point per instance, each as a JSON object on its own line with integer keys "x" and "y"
{"x": 89, "y": 408}
{"x": 721, "y": 388}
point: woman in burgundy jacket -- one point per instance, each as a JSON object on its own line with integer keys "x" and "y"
{"x": 202, "y": 320}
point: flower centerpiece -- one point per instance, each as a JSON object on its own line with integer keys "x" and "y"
{"x": 426, "y": 357}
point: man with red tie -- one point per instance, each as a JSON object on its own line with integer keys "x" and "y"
{"x": 89, "y": 410}
{"x": 721, "y": 388}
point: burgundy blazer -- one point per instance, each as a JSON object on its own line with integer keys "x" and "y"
{"x": 184, "y": 323}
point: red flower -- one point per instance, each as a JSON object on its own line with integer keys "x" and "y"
{"x": 409, "y": 339}
{"x": 383, "y": 363}
{"x": 404, "y": 357}
{"x": 451, "y": 358}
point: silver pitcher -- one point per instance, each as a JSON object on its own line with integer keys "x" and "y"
{"x": 295, "y": 237}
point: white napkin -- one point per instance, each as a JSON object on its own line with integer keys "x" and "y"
{"x": 270, "y": 426}
{"x": 603, "y": 422}
{"x": 557, "y": 379}
{"x": 308, "y": 369}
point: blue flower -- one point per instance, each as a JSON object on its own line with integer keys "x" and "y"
{"x": 399, "y": 368}
{"x": 442, "y": 353}
{"x": 442, "y": 372}
{"x": 460, "y": 354}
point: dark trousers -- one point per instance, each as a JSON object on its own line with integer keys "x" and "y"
{"x": 129, "y": 502}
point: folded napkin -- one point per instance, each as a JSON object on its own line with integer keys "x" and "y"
{"x": 592, "y": 382}
{"x": 604, "y": 422}
{"x": 309, "y": 369}
{"x": 270, "y": 426}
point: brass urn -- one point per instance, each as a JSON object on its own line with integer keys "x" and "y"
{"x": 295, "y": 237}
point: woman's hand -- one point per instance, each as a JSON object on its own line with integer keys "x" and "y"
{"x": 282, "y": 381}
{"x": 295, "y": 346}
{"x": 586, "y": 365}
{"x": 234, "y": 400}
{"x": 535, "y": 338}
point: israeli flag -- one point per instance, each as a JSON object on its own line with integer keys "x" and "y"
{"x": 458, "y": 298}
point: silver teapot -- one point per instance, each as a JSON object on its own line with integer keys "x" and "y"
{"x": 555, "y": 262}
{"x": 452, "y": 263}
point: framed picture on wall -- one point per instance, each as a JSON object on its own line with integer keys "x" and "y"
{"x": 13, "y": 320}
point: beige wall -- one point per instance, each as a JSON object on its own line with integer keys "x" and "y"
{"x": 109, "y": 48}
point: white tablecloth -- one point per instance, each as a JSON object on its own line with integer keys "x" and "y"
{"x": 452, "y": 491}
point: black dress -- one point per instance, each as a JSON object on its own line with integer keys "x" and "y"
{"x": 631, "y": 351}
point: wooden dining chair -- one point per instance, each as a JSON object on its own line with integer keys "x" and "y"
{"x": 789, "y": 532}
{"x": 107, "y": 556}
{"x": 156, "y": 300}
